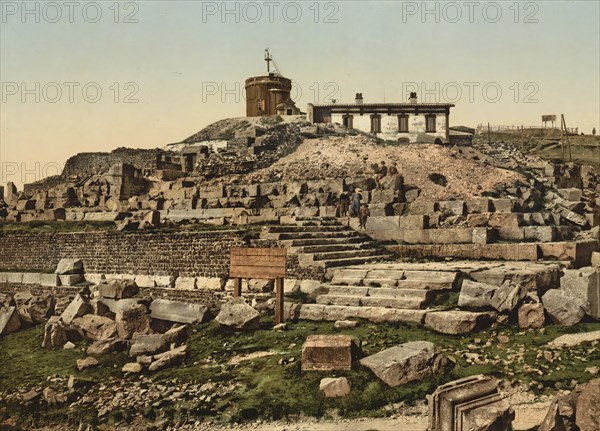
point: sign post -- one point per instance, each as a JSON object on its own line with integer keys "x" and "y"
{"x": 264, "y": 263}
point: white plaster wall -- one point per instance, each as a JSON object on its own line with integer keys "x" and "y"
{"x": 389, "y": 126}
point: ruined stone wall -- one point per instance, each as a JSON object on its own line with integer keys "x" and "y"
{"x": 84, "y": 164}
{"x": 193, "y": 254}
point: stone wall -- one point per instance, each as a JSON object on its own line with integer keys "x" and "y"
{"x": 193, "y": 254}
{"x": 84, "y": 164}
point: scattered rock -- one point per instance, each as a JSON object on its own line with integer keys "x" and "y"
{"x": 82, "y": 364}
{"x": 416, "y": 360}
{"x": 132, "y": 367}
{"x": 77, "y": 308}
{"x": 52, "y": 397}
{"x": 280, "y": 327}
{"x": 587, "y": 413}
{"x": 69, "y": 346}
{"x": 345, "y": 324}
{"x": 335, "y": 387}
{"x": 570, "y": 340}
{"x": 54, "y": 333}
{"x": 456, "y": 322}
{"x": 327, "y": 353}
{"x": 238, "y": 315}
{"x": 34, "y": 309}
{"x": 102, "y": 347}
{"x": 30, "y": 396}
{"x": 167, "y": 358}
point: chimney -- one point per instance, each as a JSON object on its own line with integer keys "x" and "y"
{"x": 413, "y": 97}
{"x": 358, "y": 99}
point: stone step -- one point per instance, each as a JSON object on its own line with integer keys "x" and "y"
{"x": 293, "y": 229}
{"x": 321, "y": 312}
{"x": 345, "y": 254}
{"x": 403, "y": 279}
{"x": 323, "y": 248}
{"x": 334, "y": 263}
{"x": 377, "y": 292}
{"x": 322, "y": 234}
{"x": 371, "y": 301}
{"x": 324, "y": 241}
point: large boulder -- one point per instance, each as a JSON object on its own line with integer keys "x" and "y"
{"x": 118, "y": 289}
{"x": 456, "y": 322}
{"x": 34, "y": 308}
{"x": 561, "y": 414}
{"x": 238, "y": 315}
{"x": 587, "y": 413}
{"x": 177, "y": 311}
{"x": 78, "y": 307}
{"x": 415, "y": 360}
{"x": 508, "y": 296}
{"x": 96, "y": 327}
{"x": 335, "y": 387}
{"x": 584, "y": 283}
{"x": 54, "y": 333}
{"x": 9, "y": 320}
{"x": 475, "y": 295}
{"x": 563, "y": 308}
{"x": 102, "y": 347}
{"x": 132, "y": 320}
{"x": 69, "y": 266}
{"x": 143, "y": 344}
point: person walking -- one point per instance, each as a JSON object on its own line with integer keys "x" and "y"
{"x": 356, "y": 199}
{"x": 363, "y": 215}
{"x": 344, "y": 204}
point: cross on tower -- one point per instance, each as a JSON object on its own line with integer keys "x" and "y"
{"x": 268, "y": 59}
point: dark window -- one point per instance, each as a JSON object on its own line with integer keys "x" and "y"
{"x": 289, "y": 111}
{"x": 403, "y": 123}
{"x": 430, "y": 123}
{"x": 376, "y": 123}
{"x": 347, "y": 120}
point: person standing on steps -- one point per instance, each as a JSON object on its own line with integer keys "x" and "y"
{"x": 363, "y": 215}
{"x": 344, "y": 204}
{"x": 356, "y": 199}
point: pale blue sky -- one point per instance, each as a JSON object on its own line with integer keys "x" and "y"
{"x": 170, "y": 54}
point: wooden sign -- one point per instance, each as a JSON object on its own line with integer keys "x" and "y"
{"x": 262, "y": 263}
{"x": 265, "y": 263}
{"x": 546, "y": 118}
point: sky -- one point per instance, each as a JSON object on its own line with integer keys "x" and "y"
{"x": 85, "y": 76}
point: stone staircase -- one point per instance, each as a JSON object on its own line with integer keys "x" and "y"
{"x": 326, "y": 242}
{"x": 389, "y": 293}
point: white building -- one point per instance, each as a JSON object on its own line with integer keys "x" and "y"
{"x": 404, "y": 122}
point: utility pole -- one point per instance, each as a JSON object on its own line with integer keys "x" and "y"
{"x": 565, "y": 133}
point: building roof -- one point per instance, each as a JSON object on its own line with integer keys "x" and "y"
{"x": 383, "y": 105}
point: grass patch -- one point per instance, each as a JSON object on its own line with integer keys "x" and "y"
{"x": 56, "y": 226}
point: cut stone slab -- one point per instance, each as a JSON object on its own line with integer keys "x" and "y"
{"x": 178, "y": 312}
{"x": 54, "y": 333}
{"x": 531, "y": 316}
{"x": 69, "y": 266}
{"x": 102, "y": 347}
{"x": 50, "y": 280}
{"x": 238, "y": 315}
{"x": 563, "y": 308}
{"x": 96, "y": 327}
{"x": 5, "y": 300}
{"x": 9, "y": 320}
{"x": 570, "y": 340}
{"x": 327, "y": 353}
{"x": 78, "y": 307}
{"x": 185, "y": 283}
{"x": 475, "y": 295}
{"x": 344, "y": 324}
{"x": 456, "y": 322}
{"x": 335, "y": 387}
{"x": 118, "y": 289}
{"x": 132, "y": 320}
{"x": 416, "y": 360}
{"x": 70, "y": 279}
